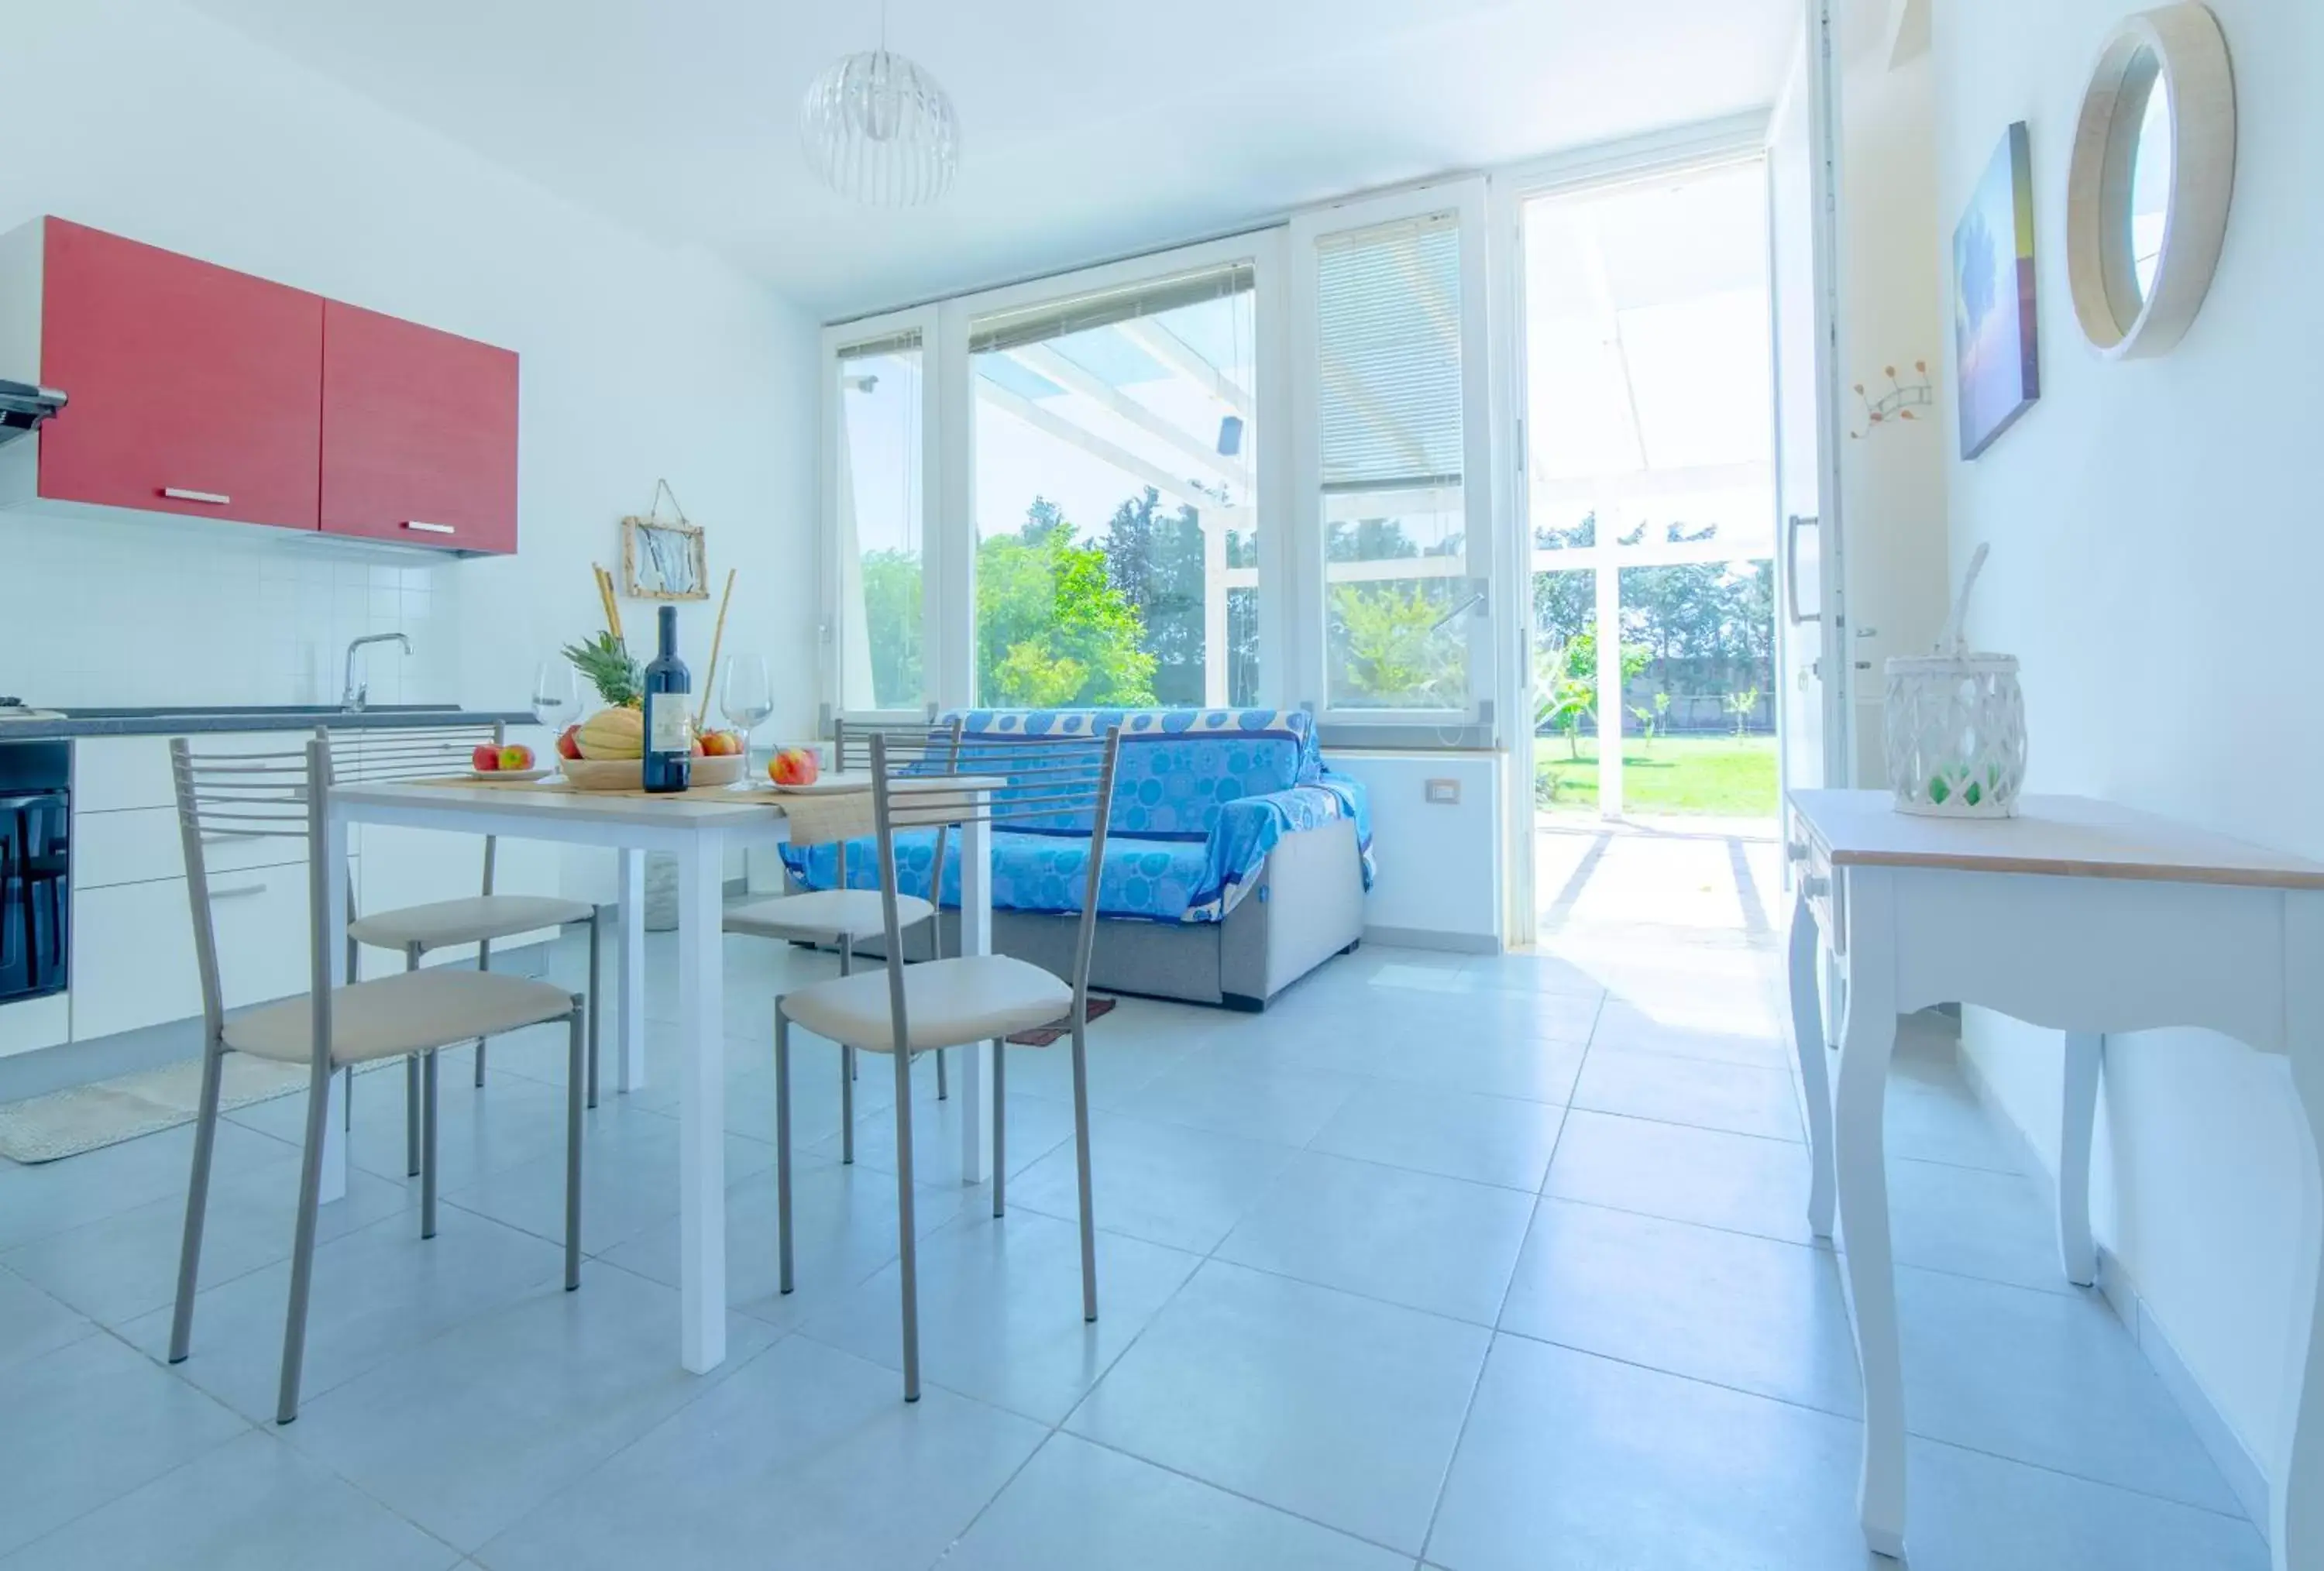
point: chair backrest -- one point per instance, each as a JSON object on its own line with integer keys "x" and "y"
{"x": 1062, "y": 786}
{"x": 378, "y": 754}
{"x": 920, "y": 746}
{"x": 225, "y": 797}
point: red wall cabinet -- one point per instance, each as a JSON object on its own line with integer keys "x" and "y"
{"x": 194, "y": 388}
{"x": 418, "y": 434}
{"x": 197, "y": 390}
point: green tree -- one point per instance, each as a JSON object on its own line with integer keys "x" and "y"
{"x": 1051, "y": 628}
{"x": 891, "y": 623}
{"x": 1385, "y": 637}
{"x": 1154, "y": 559}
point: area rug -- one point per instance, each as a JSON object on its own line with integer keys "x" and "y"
{"x": 1042, "y": 1036}
{"x": 87, "y": 1118}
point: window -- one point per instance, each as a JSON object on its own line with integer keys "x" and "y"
{"x": 1116, "y": 502}
{"x": 1391, "y": 398}
{"x": 878, "y": 398}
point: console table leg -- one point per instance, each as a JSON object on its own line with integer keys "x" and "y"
{"x": 2075, "y": 1251}
{"x": 2296, "y": 1510}
{"x": 1859, "y": 1119}
{"x": 1815, "y": 1078}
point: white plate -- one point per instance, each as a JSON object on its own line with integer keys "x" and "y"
{"x": 514, "y": 774}
{"x": 833, "y": 784}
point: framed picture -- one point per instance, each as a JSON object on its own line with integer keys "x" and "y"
{"x": 1996, "y": 351}
{"x": 663, "y": 560}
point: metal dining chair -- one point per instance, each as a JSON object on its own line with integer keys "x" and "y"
{"x": 1062, "y": 785}
{"x": 431, "y": 752}
{"x": 843, "y": 917}
{"x": 411, "y": 1016}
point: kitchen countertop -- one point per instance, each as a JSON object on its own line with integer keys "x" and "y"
{"x": 195, "y": 719}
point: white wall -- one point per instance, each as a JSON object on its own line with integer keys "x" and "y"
{"x": 638, "y": 360}
{"x": 1441, "y": 880}
{"x": 2157, "y": 559}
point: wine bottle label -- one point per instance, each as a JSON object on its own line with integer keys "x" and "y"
{"x": 666, "y": 725}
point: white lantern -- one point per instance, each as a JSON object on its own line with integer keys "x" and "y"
{"x": 1956, "y": 725}
{"x": 1956, "y": 735}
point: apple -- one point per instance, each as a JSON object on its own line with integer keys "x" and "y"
{"x": 793, "y": 766}
{"x": 699, "y": 749}
{"x": 568, "y": 741}
{"x": 486, "y": 758}
{"x": 722, "y": 743}
{"x": 516, "y": 755}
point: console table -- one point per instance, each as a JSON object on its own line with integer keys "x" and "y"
{"x": 2076, "y": 915}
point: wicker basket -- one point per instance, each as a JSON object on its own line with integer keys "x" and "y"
{"x": 1956, "y": 735}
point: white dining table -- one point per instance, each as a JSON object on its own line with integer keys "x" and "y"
{"x": 2088, "y": 918}
{"x": 696, "y": 828}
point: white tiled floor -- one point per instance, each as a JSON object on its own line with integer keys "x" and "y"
{"x": 1373, "y": 1296}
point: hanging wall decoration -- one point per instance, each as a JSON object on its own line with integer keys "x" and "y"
{"x": 662, "y": 558}
{"x": 1996, "y": 352}
{"x": 1901, "y": 402}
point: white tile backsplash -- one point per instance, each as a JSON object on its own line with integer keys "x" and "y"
{"x": 103, "y": 612}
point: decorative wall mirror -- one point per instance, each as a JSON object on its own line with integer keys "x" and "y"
{"x": 2153, "y": 167}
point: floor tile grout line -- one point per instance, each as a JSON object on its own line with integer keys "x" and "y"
{"x": 1477, "y": 1382}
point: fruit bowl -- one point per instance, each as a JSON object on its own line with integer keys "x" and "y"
{"x": 628, "y": 775}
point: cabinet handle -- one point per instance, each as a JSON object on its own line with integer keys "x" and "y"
{"x": 1815, "y": 885}
{"x": 213, "y": 498}
{"x": 414, "y": 525}
{"x": 237, "y": 891}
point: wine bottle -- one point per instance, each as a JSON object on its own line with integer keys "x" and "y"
{"x": 669, "y": 742}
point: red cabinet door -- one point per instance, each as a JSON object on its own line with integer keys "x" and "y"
{"x": 418, "y": 434}
{"x": 195, "y": 389}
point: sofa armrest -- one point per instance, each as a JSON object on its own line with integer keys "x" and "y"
{"x": 1248, "y": 827}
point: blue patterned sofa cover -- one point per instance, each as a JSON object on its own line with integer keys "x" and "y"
{"x": 1201, "y": 797}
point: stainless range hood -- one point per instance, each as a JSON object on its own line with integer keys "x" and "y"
{"x": 22, "y": 408}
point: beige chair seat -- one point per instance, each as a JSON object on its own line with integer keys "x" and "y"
{"x": 947, "y": 1003}
{"x": 409, "y": 1012}
{"x": 446, "y": 922}
{"x": 852, "y": 913}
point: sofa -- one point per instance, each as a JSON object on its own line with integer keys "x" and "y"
{"x": 1236, "y": 862}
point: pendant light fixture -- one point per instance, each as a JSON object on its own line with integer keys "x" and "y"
{"x": 879, "y": 128}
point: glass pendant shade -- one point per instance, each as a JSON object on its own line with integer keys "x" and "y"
{"x": 878, "y": 128}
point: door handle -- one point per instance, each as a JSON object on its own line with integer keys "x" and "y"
{"x": 416, "y": 526}
{"x": 209, "y": 498}
{"x": 237, "y": 891}
{"x": 1791, "y": 527}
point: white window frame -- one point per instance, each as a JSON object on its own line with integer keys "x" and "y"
{"x": 1478, "y": 726}
{"x": 830, "y": 565}
{"x": 954, "y": 658}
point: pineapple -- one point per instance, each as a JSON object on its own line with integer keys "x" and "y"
{"x": 605, "y": 660}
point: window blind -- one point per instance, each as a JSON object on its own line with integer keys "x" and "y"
{"x": 907, "y": 342}
{"x": 1079, "y": 314}
{"x": 1388, "y": 309}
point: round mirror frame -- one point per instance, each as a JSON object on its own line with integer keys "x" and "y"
{"x": 2189, "y": 58}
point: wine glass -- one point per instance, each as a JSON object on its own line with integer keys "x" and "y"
{"x": 553, "y": 692}
{"x": 746, "y": 692}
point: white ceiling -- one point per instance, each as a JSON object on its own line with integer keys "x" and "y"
{"x": 1089, "y": 130}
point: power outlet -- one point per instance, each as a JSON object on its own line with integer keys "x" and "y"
{"x": 1444, "y": 793}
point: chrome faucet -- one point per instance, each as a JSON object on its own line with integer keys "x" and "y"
{"x": 352, "y": 700}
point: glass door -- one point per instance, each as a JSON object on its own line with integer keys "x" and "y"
{"x": 1650, "y": 495}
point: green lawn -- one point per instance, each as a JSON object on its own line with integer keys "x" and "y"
{"x": 1733, "y": 776}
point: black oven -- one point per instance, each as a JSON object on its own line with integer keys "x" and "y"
{"x": 35, "y": 867}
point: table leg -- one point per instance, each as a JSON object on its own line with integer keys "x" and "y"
{"x": 701, "y": 1104}
{"x": 334, "y": 853}
{"x": 975, "y": 938}
{"x": 2296, "y": 1511}
{"x": 630, "y": 1049}
{"x": 2075, "y": 1251}
{"x": 1815, "y": 1077}
{"x": 1858, "y": 1118}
